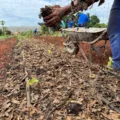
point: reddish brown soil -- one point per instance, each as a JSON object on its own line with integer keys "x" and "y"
{"x": 6, "y": 47}
{"x": 96, "y": 57}
{"x": 54, "y": 40}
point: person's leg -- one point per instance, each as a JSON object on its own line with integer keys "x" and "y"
{"x": 34, "y": 33}
{"x": 115, "y": 47}
{"x": 114, "y": 33}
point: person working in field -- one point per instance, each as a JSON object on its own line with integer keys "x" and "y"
{"x": 35, "y": 32}
{"x": 83, "y": 19}
{"x": 70, "y": 23}
{"x": 113, "y": 25}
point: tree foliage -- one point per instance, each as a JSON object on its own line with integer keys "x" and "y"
{"x": 3, "y": 28}
{"x": 93, "y": 21}
{"x": 1, "y": 32}
{"x": 2, "y": 23}
{"x": 100, "y": 25}
{"x": 44, "y": 29}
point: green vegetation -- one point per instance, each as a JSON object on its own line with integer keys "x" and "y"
{"x": 2, "y": 23}
{"x": 49, "y": 31}
{"x": 95, "y": 22}
{"x": 1, "y": 32}
{"x": 27, "y": 34}
{"x": 4, "y": 33}
{"x": 59, "y": 34}
{"x": 5, "y": 36}
{"x": 44, "y": 29}
{"x": 100, "y": 25}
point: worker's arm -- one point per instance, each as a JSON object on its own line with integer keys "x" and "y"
{"x": 58, "y": 13}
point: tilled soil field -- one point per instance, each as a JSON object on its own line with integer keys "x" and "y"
{"x": 65, "y": 90}
{"x": 6, "y": 46}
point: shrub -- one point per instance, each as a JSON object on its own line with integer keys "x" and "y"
{"x": 8, "y": 32}
{"x": 27, "y": 33}
{"x": 1, "y": 32}
{"x": 100, "y": 25}
{"x": 44, "y": 29}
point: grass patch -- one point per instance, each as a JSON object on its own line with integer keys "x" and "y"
{"x": 54, "y": 34}
{"x": 5, "y": 36}
{"x": 21, "y": 37}
{"x": 24, "y": 35}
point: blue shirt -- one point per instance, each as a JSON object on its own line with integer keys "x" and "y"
{"x": 70, "y": 24}
{"x": 114, "y": 19}
{"x": 83, "y": 19}
{"x": 35, "y": 31}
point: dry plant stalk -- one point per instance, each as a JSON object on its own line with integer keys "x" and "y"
{"x": 27, "y": 83}
{"x": 83, "y": 54}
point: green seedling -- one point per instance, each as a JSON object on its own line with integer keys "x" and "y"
{"x": 110, "y": 62}
{"x": 33, "y": 81}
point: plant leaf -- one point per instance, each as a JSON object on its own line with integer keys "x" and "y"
{"x": 110, "y": 62}
{"x": 33, "y": 81}
{"x": 49, "y": 52}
